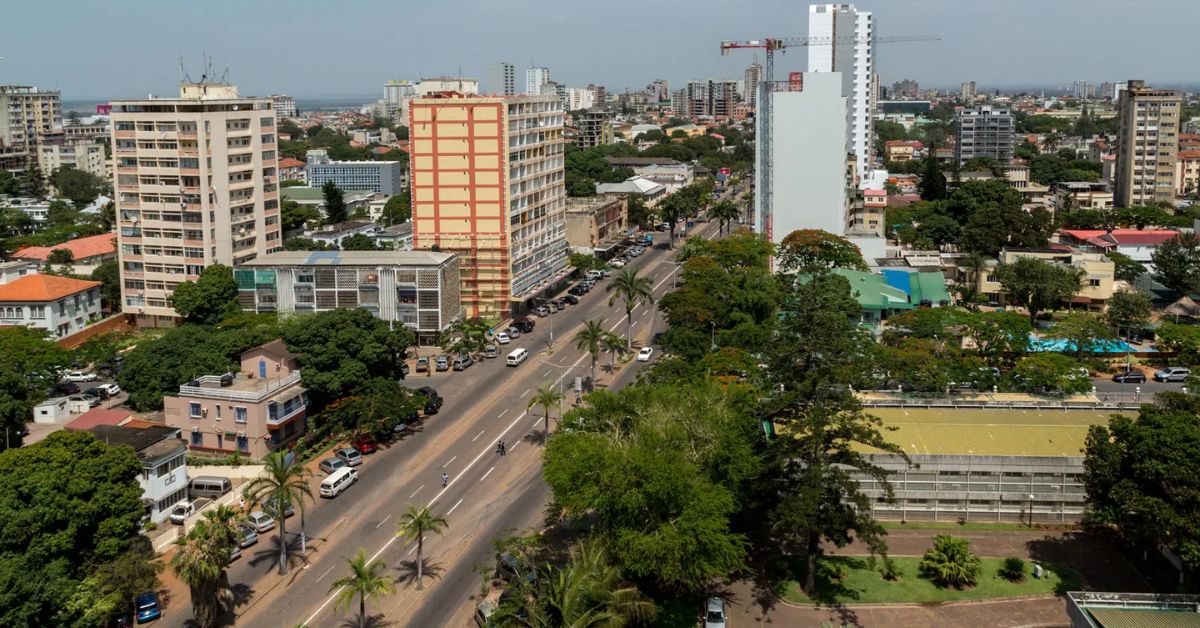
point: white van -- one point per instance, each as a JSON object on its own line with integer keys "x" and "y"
{"x": 210, "y": 486}
{"x": 338, "y": 481}
{"x": 517, "y": 357}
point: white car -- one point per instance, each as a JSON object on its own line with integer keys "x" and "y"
{"x": 502, "y": 338}
{"x": 645, "y": 353}
{"x": 79, "y": 376}
{"x": 111, "y": 388}
{"x": 617, "y": 263}
{"x": 714, "y": 613}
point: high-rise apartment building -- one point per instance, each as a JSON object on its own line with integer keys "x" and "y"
{"x": 488, "y": 183}
{"x": 382, "y": 177}
{"x": 679, "y": 102}
{"x": 659, "y": 91}
{"x": 599, "y": 96}
{"x": 535, "y": 78}
{"x": 1083, "y": 90}
{"x": 750, "y": 81}
{"x": 855, "y": 61}
{"x": 984, "y": 132}
{"x": 285, "y": 106}
{"x": 967, "y": 92}
{"x": 396, "y": 92}
{"x": 26, "y": 113}
{"x": 56, "y": 150}
{"x": 906, "y": 89}
{"x": 714, "y": 98}
{"x": 503, "y": 78}
{"x": 1105, "y": 91}
{"x": 195, "y": 185}
{"x": 1147, "y": 145}
{"x": 594, "y": 128}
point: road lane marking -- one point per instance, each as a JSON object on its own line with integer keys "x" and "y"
{"x": 478, "y": 435}
{"x": 489, "y": 472}
{"x": 503, "y": 413}
{"x": 510, "y": 449}
{"x": 414, "y": 493}
{"x": 526, "y": 392}
{"x": 326, "y": 572}
{"x": 380, "y": 524}
{"x": 452, "y": 459}
{"x": 451, "y": 511}
{"x": 546, "y": 374}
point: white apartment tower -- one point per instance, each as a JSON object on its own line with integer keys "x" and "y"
{"x": 855, "y": 60}
{"x": 195, "y": 185}
{"x": 535, "y": 78}
{"x": 750, "y": 84}
{"x": 503, "y": 77}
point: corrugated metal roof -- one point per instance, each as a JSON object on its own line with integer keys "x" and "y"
{"x": 1143, "y": 618}
{"x": 351, "y": 258}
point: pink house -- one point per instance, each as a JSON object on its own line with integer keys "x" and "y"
{"x": 253, "y": 412}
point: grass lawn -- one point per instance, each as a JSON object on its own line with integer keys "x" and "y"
{"x": 863, "y": 585}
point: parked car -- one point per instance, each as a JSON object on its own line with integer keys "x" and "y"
{"x": 181, "y": 512}
{"x": 463, "y": 362}
{"x": 261, "y": 521}
{"x": 91, "y": 400}
{"x": 594, "y": 274}
{"x": 350, "y": 456}
{"x": 1172, "y": 374}
{"x": 714, "y": 613}
{"x": 442, "y": 363}
{"x": 552, "y": 306}
{"x": 365, "y": 445}
{"x": 433, "y": 401}
{"x": 98, "y": 392}
{"x": 247, "y": 535}
{"x": 525, "y": 324}
{"x": 146, "y": 607}
{"x": 490, "y": 352}
{"x": 577, "y": 290}
{"x": 422, "y": 364}
{"x": 570, "y": 298}
{"x": 503, "y": 338}
{"x": 111, "y": 388}
{"x": 513, "y": 332}
{"x": 541, "y": 312}
{"x": 404, "y": 369}
{"x": 1130, "y": 377}
{"x": 512, "y": 568}
{"x": 617, "y": 263}
{"x": 66, "y": 388}
{"x": 329, "y": 465}
{"x": 79, "y": 376}
{"x": 645, "y": 353}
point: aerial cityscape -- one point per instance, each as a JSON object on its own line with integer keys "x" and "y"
{"x": 518, "y": 314}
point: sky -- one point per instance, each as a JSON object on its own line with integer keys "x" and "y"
{"x": 316, "y": 48}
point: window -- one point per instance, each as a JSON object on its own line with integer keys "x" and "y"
{"x": 197, "y": 439}
{"x": 239, "y": 415}
{"x": 218, "y": 407}
{"x": 1095, "y": 283}
{"x": 243, "y": 443}
{"x": 194, "y": 410}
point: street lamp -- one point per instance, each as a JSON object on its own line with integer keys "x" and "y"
{"x": 674, "y": 276}
{"x": 1031, "y": 510}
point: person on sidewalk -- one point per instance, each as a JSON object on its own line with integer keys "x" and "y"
{"x": 445, "y": 480}
{"x": 501, "y": 449}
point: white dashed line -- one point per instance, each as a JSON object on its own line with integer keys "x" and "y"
{"x": 478, "y": 435}
{"x": 380, "y": 524}
{"x": 326, "y": 572}
{"x": 526, "y": 392}
{"x": 414, "y": 493}
{"x": 451, "y": 511}
{"x": 489, "y": 472}
{"x": 503, "y": 413}
{"x": 452, "y": 459}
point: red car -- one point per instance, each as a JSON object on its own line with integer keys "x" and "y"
{"x": 365, "y": 445}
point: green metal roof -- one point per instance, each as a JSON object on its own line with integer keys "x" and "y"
{"x": 873, "y": 292}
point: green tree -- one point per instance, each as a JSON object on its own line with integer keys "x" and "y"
{"x": 31, "y": 365}
{"x": 1183, "y": 339}
{"x": 367, "y": 580}
{"x": 997, "y": 335}
{"x": 32, "y": 182}
{"x": 284, "y": 482}
{"x": 339, "y": 349}
{"x": 1140, "y": 217}
{"x": 548, "y": 396}
{"x": 1177, "y": 263}
{"x": 113, "y": 586}
{"x": 1126, "y": 268}
{"x": 672, "y": 209}
{"x": 80, "y": 187}
{"x": 809, "y": 250}
{"x": 613, "y": 344}
{"x": 335, "y": 203}
{"x": 9, "y": 183}
{"x": 933, "y": 182}
{"x": 397, "y": 210}
{"x": 639, "y": 214}
{"x": 61, "y": 257}
{"x": 725, "y": 212}
{"x": 1037, "y": 284}
{"x": 950, "y": 562}
{"x": 1128, "y": 309}
{"x": 208, "y": 299}
{"x": 1142, "y": 475}
{"x": 359, "y": 242}
{"x": 71, "y": 504}
{"x": 940, "y": 229}
{"x": 466, "y": 336}
{"x": 1052, "y": 373}
{"x": 414, "y": 524}
{"x": 293, "y": 215}
{"x": 157, "y": 367}
{"x": 633, "y": 291}
{"x": 1085, "y": 333}
{"x": 590, "y": 339}
{"x": 377, "y": 407}
{"x": 306, "y": 244}
{"x": 109, "y": 275}
{"x": 200, "y": 561}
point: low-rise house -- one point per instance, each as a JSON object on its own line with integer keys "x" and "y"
{"x": 292, "y": 169}
{"x": 1187, "y": 173}
{"x": 671, "y": 176}
{"x": 253, "y": 412}
{"x": 1138, "y": 244}
{"x": 52, "y": 410}
{"x": 867, "y": 219}
{"x": 595, "y": 224}
{"x": 650, "y": 192}
{"x": 60, "y": 305}
{"x": 394, "y": 238}
{"x": 1098, "y": 280}
{"x": 335, "y": 233}
{"x": 11, "y": 271}
{"x": 1017, "y": 175}
{"x": 1070, "y": 195}
{"x": 901, "y": 150}
{"x": 163, "y": 455}
{"x": 86, "y": 253}
{"x": 895, "y": 290}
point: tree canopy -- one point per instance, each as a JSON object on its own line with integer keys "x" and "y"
{"x": 210, "y": 298}
{"x": 339, "y": 349}
{"x": 335, "y": 203}
{"x": 77, "y": 185}
{"x": 31, "y": 366}
{"x": 808, "y": 250}
{"x": 1177, "y": 263}
{"x": 1037, "y": 284}
{"x": 397, "y": 210}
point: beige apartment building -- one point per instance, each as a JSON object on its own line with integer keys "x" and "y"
{"x": 488, "y": 183}
{"x": 252, "y": 412}
{"x": 596, "y": 223}
{"x": 25, "y": 113}
{"x": 1146, "y": 145}
{"x": 195, "y": 184}
{"x": 56, "y": 150}
{"x": 1099, "y": 274}
{"x": 1187, "y": 173}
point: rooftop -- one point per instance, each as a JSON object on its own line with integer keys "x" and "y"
{"x": 291, "y": 162}
{"x": 150, "y": 443}
{"x": 632, "y": 185}
{"x": 587, "y": 204}
{"x": 641, "y": 161}
{"x": 43, "y": 288}
{"x": 351, "y": 258}
{"x": 1135, "y": 610}
{"x": 80, "y": 248}
{"x": 98, "y": 416}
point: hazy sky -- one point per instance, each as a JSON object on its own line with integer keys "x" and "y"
{"x": 128, "y": 48}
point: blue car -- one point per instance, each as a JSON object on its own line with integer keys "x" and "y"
{"x": 147, "y": 607}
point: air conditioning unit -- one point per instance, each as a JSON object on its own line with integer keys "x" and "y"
{"x": 241, "y": 434}
{"x": 204, "y": 412}
{"x": 195, "y": 429}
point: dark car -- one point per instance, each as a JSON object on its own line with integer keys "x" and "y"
{"x": 525, "y": 324}
{"x": 570, "y": 298}
{"x": 433, "y": 401}
{"x": 404, "y": 370}
{"x": 1130, "y": 377}
{"x": 97, "y": 392}
{"x": 577, "y": 290}
{"x": 67, "y": 388}
{"x": 147, "y": 608}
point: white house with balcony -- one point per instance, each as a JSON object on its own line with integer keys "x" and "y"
{"x": 163, "y": 454}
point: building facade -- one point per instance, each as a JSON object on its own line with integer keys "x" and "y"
{"x": 56, "y": 150}
{"x": 87, "y": 253}
{"x": 855, "y": 61}
{"x": 1187, "y": 173}
{"x": 596, "y": 223}
{"x": 163, "y": 456}
{"x": 384, "y": 177}
{"x": 967, "y": 91}
{"x": 750, "y": 81}
{"x": 1099, "y": 275}
{"x": 906, "y": 89}
{"x": 1147, "y": 144}
{"x": 458, "y": 84}
{"x": 396, "y": 92}
{"x": 195, "y": 185}
{"x": 488, "y": 184}
{"x": 419, "y": 289}
{"x": 59, "y": 305}
{"x": 285, "y": 106}
{"x": 594, "y": 129}
{"x": 503, "y": 79}
{"x": 25, "y": 114}
{"x": 535, "y": 78}
{"x": 253, "y": 412}
{"x": 984, "y": 132}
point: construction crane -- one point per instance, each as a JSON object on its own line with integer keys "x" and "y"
{"x": 767, "y": 84}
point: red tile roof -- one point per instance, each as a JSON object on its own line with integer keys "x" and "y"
{"x": 1189, "y": 154}
{"x": 291, "y": 162}
{"x": 98, "y": 416}
{"x": 81, "y": 248}
{"x": 1121, "y": 237}
{"x": 42, "y": 288}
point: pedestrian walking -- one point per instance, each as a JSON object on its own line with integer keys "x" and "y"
{"x": 445, "y": 480}
{"x": 500, "y": 448}
{"x": 242, "y": 504}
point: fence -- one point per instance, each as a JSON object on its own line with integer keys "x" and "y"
{"x": 116, "y": 322}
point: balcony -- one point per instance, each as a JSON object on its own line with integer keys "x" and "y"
{"x": 242, "y": 389}
{"x": 278, "y": 414}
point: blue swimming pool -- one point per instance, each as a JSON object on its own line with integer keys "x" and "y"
{"x": 1061, "y": 345}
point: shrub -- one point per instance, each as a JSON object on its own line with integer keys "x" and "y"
{"x": 890, "y": 570}
{"x": 1013, "y": 569}
{"x": 950, "y": 563}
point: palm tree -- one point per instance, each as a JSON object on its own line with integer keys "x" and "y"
{"x": 726, "y": 212}
{"x": 1052, "y": 141}
{"x": 200, "y": 560}
{"x": 415, "y": 523}
{"x": 547, "y": 396}
{"x": 633, "y": 290}
{"x": 366, "y": 580}
{"x": 283, "y": 483}
{"x": 613, "y": 344}
{"x": 589, "y": 339}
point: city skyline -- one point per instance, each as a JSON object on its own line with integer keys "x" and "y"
{"x": 254, "y": 46}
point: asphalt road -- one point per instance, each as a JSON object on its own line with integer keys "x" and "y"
{"x": 1151, "y": 387}
{"x": 489, "y": 496}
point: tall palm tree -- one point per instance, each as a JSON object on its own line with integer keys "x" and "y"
{"x": 415, "y": 523}
{"x": 726, "y": 212}
{"x": 366, "y": 581}
{"x": 547, "y": 396}
{"x": 200, "y": 560}
{"x": 631, "y": 289}
{"x": 589, "y": 339}
{"x": 283, "y": 483}
{"x": 613, "y": 344}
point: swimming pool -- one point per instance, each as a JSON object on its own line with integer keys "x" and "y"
{"x": 1062, "y": 345}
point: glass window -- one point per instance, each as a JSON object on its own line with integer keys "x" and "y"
{"x": 239, "y": 415}
{"x": 194, "y": 410}
{"x": 197, "y": 439}
{"x": 243, "y": 443}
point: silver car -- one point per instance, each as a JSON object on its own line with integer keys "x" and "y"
{"x": 714, "y": 613}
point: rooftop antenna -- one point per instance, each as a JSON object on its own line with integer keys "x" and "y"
{"x": 225, "y": 75}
